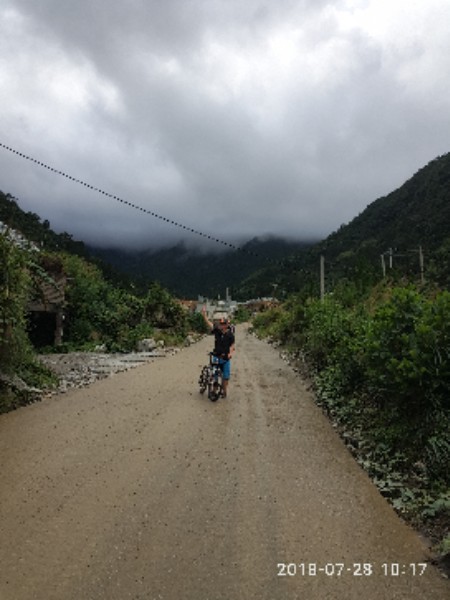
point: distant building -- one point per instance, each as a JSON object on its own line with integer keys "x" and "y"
{"x": 216, "y": 309}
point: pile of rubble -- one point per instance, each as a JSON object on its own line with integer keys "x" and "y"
{"x": 79, "y": 369}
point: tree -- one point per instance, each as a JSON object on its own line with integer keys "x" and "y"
{"x": 14, "y": 289}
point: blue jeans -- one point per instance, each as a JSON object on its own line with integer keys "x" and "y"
{"x": 225, "y": 364}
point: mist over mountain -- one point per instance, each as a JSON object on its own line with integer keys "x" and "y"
{"x": 413, "y": 218}
{"x": 189, "y": 272}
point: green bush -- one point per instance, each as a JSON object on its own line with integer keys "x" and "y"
{"x": 241, "y": 315}
{"x": 14, "y": 290}
{"x": 16, "y": 354}
{"x": 97, "y": 312}
{"x": 381, "y": 365}
{"x": 161, "y": 309}
{"x": 406, "y": 364}
{"x": 196, "y": 323}
{"x": 267, "y": 322}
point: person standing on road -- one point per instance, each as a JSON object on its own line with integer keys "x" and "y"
{"x": 224, "y": 346}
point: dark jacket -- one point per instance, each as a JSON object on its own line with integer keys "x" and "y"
{"x": 223, "y": 342}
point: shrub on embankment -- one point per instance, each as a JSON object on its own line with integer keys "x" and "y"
{"x": 20, "y": 372}
{"x": 96, "y": 311}
{"x": 382, "y": 372}
{"x": 100, "y": 312}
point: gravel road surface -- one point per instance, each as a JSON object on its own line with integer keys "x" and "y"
{"x": 138, "y": 487}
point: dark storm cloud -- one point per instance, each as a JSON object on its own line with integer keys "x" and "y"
{"x": 236, "y": 118}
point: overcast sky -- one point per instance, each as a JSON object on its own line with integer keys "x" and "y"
{"x": 235, "y": 117}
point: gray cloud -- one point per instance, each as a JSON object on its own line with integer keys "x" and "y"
{"x": 235, "y": 118}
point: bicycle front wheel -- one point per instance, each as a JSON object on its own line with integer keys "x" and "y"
{"x": 214, "y": 391}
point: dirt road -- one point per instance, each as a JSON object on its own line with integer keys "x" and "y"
{"x": 139, "y": 488}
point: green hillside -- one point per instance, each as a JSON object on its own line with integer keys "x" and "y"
{"x": 415, "y": 215}
{"x": 36, "y": 230}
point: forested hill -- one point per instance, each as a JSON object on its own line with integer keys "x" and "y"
{"x": 32, "y": 228}
{"x": 39, "y": 232}
{"x": 183, "y": 271}
{"x": 416, "y": 214}
{"x": 188, "y": 273}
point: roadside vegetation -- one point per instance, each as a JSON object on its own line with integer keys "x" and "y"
{"x": 17, "y": 358}
{"x": 381, "y": 367}
{"x": 99, "y": 313}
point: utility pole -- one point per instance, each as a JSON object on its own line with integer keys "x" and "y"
{"x": 383, "y": 265}
{"x": 322, "y": 278}
{"x": 421, "y": 264}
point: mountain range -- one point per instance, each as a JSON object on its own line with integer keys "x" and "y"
{"x": 189, "y": 273}
{"x": 410, "y": 222}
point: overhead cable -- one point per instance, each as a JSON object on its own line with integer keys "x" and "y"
{"x": 130, "y": 204}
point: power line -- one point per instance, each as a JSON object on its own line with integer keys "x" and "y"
{"x": 131, "y": 205}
